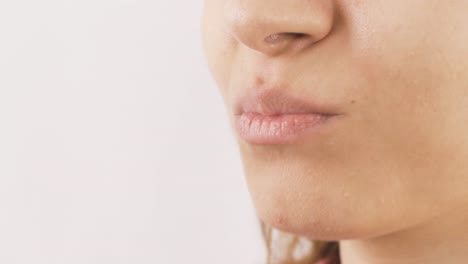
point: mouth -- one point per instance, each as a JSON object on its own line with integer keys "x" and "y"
{"x": 272, "y": 117}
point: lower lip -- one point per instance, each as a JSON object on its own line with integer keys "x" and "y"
{"x": 277, "y": 129}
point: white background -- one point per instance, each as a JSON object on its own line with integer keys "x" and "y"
{"x": 114, "y": 142}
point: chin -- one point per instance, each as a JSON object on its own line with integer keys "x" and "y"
{"x": 323, "y": 220}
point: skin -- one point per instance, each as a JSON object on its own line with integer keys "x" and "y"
{"x": 389, "y": 178}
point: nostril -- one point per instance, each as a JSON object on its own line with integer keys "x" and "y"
{"x": 297, "y": 35}
{"x": 287, "y": 35}
{"x": 273, "y": 38}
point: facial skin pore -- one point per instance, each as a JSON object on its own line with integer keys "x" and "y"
{"x": 389, "y": 179}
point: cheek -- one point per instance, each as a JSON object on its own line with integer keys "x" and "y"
{"x": 416, "y": 107}
{"x": 403, "y": 51}
{"x": 219, "y": 46}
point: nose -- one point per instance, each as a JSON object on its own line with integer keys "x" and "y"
{"x": 274, "y": 27}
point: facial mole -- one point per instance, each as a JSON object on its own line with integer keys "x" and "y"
{"x": 278, "y": 220}
{"x": 259, "y": 81}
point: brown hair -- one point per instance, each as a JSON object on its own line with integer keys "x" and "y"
{"x": 285, "y": 248}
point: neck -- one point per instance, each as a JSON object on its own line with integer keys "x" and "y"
{"x": 442, "y": 239}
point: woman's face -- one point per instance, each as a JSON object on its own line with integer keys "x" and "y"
{"x": 397, "y": 71}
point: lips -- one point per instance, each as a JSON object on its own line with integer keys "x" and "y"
{"x": 277, "y": 102}
{"x": 274, "y": 117}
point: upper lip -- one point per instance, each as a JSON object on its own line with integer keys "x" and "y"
{"x": 278, "y": 102}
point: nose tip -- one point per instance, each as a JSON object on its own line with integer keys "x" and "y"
{"x": 274, "y": 27}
